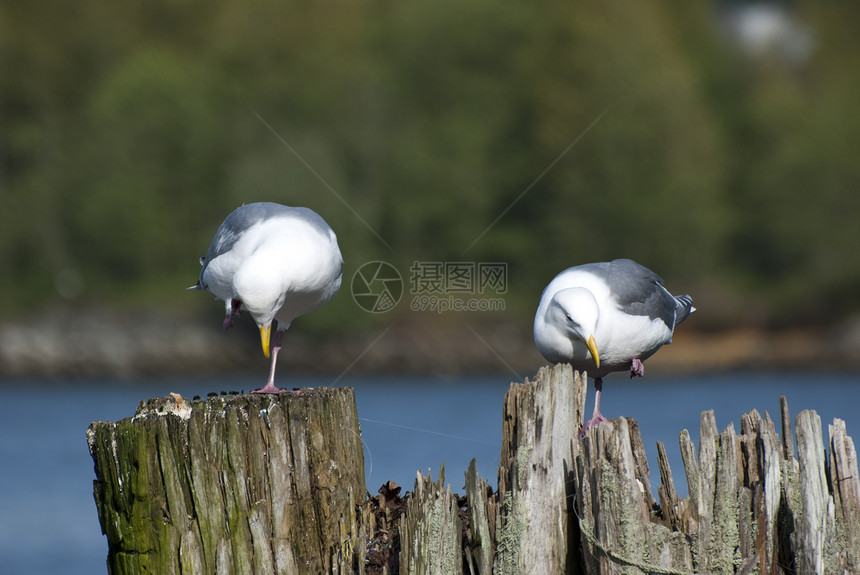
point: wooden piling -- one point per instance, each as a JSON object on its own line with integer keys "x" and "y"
{"x": 536, "y": 474}
{"x": 274, "y": 484}
{"x": 232, "y": 484}
{"x": 752, "y": 507}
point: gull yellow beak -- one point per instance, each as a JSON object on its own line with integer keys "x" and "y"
{"x": 266, "y": 337}
{"x": 592, "y": 347}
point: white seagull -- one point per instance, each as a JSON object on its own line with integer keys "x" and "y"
{"x": 605, "y": 317}
{"x": 276, "y": 262}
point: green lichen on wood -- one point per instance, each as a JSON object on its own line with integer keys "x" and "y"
{"x": 510, "y": 531}
{"x": 431, "y": 532}
{"x": 723, "y": 555}
{"x": 667, "y": 548}
{"x": 512, "y": 524}
{"x": 620, "y": 521}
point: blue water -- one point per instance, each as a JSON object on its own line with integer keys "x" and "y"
{"x": 48, "y": 521}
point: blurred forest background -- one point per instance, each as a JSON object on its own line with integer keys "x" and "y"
{"x": 715, "y": 142}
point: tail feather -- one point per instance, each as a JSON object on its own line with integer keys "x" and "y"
{"x": 683, "y": 308}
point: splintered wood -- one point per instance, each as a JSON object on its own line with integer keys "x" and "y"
{"x": 539, "y": 447}
{"x": 753, "y": 506}
{"x": 586, "y": 506}
{"x": 431, "y": 534}
{"x": 275, "y": 484}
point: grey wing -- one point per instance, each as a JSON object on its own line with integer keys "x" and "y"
{"x": 639, "y": 291}
{"x": 312, "y": 218}
{"x": 242, "y": 218}
{"x": 232, "y": 228}
{"x": 234, "y": 225}
{"x": 224, "y": 240}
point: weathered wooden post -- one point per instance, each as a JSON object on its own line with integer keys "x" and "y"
{"x": 275, "y": 484}
{"x": 232, "y": 484}
{"x": 752, "y": 507}
{"x": 536, "y": 473}
{"x": 566, "y": 505}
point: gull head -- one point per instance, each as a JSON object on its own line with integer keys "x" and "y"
{"x": 574, "y": 313}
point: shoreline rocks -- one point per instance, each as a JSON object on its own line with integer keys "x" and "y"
{"x": 68, "y": 343}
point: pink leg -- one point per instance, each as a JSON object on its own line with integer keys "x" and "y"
{"x": 270, "y": 384}
{"x": 596, "y": 416}
{"x": 637, "y": 368}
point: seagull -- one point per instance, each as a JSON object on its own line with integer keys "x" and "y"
{"x": 605, "y": 317}
{"x": 275, "y": 262}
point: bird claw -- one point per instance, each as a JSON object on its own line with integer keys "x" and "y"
{"x": 595, "y": 420}
{"x": 637, "y": 368}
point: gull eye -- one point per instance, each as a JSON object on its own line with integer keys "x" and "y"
{"x": 567, "y": 315}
